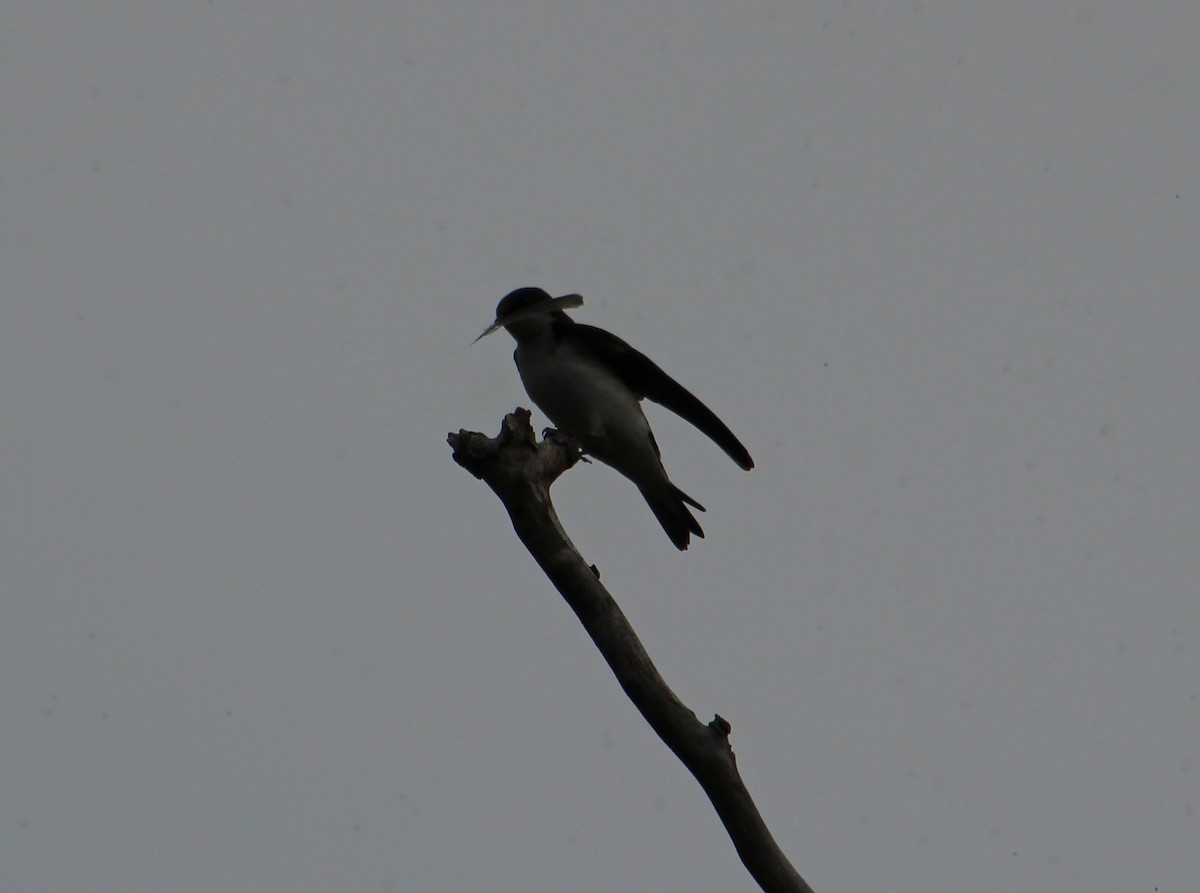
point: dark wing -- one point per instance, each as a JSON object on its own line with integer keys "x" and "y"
{"x": 642, "y": 376}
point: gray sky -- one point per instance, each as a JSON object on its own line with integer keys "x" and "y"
{"x": 936, "y": 264}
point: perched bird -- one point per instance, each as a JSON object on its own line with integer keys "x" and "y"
{"x": 591, "y": 383}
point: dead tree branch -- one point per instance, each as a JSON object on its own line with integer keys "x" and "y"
{"x": 520, "y": 471}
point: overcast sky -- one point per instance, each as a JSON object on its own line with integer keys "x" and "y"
{"x": 935, "y": 263}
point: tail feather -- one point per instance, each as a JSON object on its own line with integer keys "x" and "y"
{"x": 668, "y": 507}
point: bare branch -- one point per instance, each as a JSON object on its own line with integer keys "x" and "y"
{"x": 521, "y": 471}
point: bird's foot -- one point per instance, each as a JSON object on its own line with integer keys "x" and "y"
{"x": 562, "y": 438}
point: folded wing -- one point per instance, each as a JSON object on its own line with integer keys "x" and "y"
{"x": 641, "y": 375}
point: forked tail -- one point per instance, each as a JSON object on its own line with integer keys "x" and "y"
{"x": 668, "y": 505}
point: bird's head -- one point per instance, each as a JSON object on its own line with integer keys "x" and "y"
{"x": 528, "y": 309}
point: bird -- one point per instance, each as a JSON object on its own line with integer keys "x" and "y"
{"x": 591, "y": 384}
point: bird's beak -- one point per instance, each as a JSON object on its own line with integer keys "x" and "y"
{"x": 494, "y": 327}
{"x": 566, "y": 302}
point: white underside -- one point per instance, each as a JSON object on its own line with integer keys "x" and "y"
{"x": 594, "y": 407}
